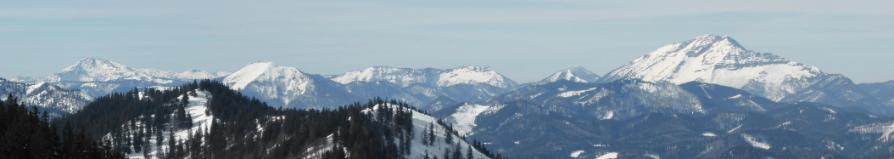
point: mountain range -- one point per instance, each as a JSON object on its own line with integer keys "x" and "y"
{"x": 708, "y": 97}
{"x": 281, "y": 86}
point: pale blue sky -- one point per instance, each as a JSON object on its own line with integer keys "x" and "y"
{"x": 523, "y": 39}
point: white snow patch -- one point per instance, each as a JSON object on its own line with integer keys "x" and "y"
{"x": 610, "y": 155}
{"x": 830, "y": 110}
{"x": 317, "y": 151}
{"x": 576, "y": 153}
{"x": 608, "y": 115}
{"x": 709, "y": 134}
{"x": 737, "y": 96}
{"x": 567, "y": 94}
{"x": 730, "y": 131}
{"x": 755, "y": 142}
{"x": 786, "y": 123}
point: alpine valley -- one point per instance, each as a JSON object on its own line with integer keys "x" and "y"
{"x": 707, "y": 97}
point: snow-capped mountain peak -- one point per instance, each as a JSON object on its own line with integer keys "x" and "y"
{"x": 93, "y": 69}
{"x": 102, "y": 70}
{"x": 714, "y": 42}
{"x": 286, "y": 86}
{"x": 474, "y": 75}
{"x": 574, "y": 74}
{"x": 719, "y": 60}
{"x": 394, "y": 75}
{"x": 239, "y": 79}
{"x": 291, "y": 77}
{"x": 95, "y": 64}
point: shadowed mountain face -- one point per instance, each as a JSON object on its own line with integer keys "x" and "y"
{"x": 883, "y": 91}
{"x": 706, "y": 121}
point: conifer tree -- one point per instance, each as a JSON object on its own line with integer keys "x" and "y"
{"x": 457, "y": 152}
{"x": 431, "y": 133}
{"x": 470, "y": 154}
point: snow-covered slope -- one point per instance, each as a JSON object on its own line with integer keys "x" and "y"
{"x": 421, "y": 123}
{"x": 196, "y": 109}
{"x": 464, "y": 118}
{"x": 287, "y": 86}
{"x": 720, "y": 60}
{"x": 575, "y": 74}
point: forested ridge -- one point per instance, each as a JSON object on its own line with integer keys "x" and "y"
{"x": 28, "y": 133}
{"x": 145, "y": 122}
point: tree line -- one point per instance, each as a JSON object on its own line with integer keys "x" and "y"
{"x": 28, "y": 133}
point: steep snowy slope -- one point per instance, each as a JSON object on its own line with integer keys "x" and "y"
{"x": 287, "y": 86}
